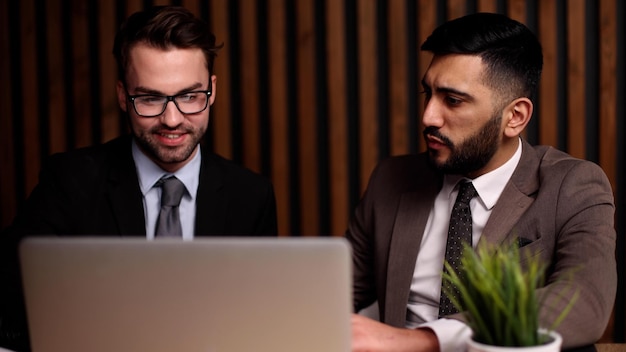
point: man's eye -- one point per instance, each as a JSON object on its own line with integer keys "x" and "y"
{"x": 150, "y": 99}
{"x": 189, "y": 97}
{"x": 453, "y": 100}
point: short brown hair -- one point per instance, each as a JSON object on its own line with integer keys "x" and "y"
{"x": 163, "y": 27}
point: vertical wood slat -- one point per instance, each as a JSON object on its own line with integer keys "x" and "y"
{"x": 368, "y": 89}
{"x": 427, "y": 22}
{"x": 249, "y": 99}
{"x": 57, "y": 77}
{"x": 110, "y": 123}
{"x": 82, "y": 94}
{"x": 398, "y": 81}
{"x": 456, "y": 8}
{"x": 517, "y": 10}
{"x": 608, "y": 89}
{"x": 487, "y": 6}
{"x": 607, "y": 113}
{"x": 307, "y": 115}
{"x": 576, "y": 78}
{"x": 30, "y": 98}
{"x": 220, "y": 113}
{"x": 7, "y": 159}
{"x": 277, "y": 51}
{"x": 193, "y": 6}
{"x": 337, "y": 116}
{"x": 548, "y": 85}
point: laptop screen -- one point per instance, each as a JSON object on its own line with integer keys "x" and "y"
{"x": 206, "y": 295}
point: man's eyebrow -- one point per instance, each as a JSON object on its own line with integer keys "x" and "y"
{"x": 448, "y": 90}
{"x": 145, "y": 90}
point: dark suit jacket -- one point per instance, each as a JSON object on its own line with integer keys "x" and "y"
{"x": 554, "y": 204}
{"x": 95, "y": 191}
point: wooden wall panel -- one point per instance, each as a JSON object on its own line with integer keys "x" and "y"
{"x": 337, "y": 116}
{"x": 368, "y": 86}
{"x": 548, "y": 85}
{"x": 607, "y": 114}
{"x": 576, "y": 78}
{"x": 11, "y": 170}
{"x": 111, "y": 123}
{"x": 312, "y": 94}
{"x": 250, "y": 85}
{"x": 29, "y": 94}
{"x": 82, "y": 94}
{"x": 398, "y": 78}
{"x": 427, "y": 15}
{"x": 221, "y": 116}
{"x": 278, "y": 114}
{"x": 307, "y": 98}
{"x": 57, "y": 77}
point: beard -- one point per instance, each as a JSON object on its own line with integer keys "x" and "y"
{"x": 168, "y": 155}
{"x": 473, "y": 153}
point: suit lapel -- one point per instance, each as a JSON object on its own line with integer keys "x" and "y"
{"x": 408, "y": 230}
{"x": 515, "y": 199}
{"x": 210, "y": 201}
{"x": 125, "y": 196}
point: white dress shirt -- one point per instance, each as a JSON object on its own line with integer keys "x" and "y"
{"x": 423, "y": 306}
{"x": 149, "y": 173}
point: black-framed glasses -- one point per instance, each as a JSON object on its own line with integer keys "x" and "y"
{"x": 152, "y": 105}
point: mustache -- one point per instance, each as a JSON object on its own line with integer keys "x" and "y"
{"x": 434, "y": 132}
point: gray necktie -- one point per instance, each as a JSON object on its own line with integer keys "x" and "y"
{"x": 168, "y": 223}
{"x": 459, "y": 233}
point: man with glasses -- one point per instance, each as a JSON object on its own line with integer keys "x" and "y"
{"x": 166, "y": 87}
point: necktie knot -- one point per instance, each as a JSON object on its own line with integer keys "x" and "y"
{"x": 466, "y": 192}
{"x": 173, "y": 191}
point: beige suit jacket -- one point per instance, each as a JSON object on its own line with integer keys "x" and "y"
{"x": 554, "y": 204}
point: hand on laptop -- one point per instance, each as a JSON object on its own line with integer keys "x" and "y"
{"x": 373, "y": 336}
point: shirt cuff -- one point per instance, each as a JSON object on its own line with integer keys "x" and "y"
{"x": 452, "y": 334}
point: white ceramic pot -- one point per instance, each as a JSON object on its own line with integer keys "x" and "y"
{"x": 554, "y": 345}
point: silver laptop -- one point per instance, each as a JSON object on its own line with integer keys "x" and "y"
{"x": 206, "y": 295}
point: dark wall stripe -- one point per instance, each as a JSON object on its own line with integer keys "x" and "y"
{"x": 264, "y": 96}
{"x": 235, "y": 82}
{"x": 352, "y": 86}
{"x": 94, "y": 81}
{"x": 619, "y": 331}
{"x": 17, "y": 100}
{"x": 561, "y": 76}
{"x": 42, "y": 74}
{"x": 592, "y": 86}
{"x": 413, "y": 80}
{"x": 292, "y": 111}
{"x": 532, "y": 130}
{"x": 321, "y": 109}
{"x": 383, "y": 79}
{"x": 68, "y": 68}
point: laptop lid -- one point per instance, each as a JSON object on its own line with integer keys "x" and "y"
{"x": 206, "y": 295}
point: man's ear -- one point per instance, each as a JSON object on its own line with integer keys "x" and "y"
{"x": 121, "y": 96}
{"x": 517, "y": 115}
{"x": 213, "y": 89}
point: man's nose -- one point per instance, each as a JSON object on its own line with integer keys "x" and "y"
{"x": 432, "y": 114}
{"x": 172, "y": 117}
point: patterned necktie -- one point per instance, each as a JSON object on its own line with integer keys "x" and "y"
{"x": 459, "y": 233}
{"x": 168, "y": 223}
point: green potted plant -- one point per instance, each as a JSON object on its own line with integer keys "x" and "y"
{"x": 499, "y": 301}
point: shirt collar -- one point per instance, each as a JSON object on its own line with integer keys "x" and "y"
{"x": 149, "y": 173}
{"x": 490, "y": 185}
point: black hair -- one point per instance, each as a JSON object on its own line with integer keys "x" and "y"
{"x": 510, "y": 51}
